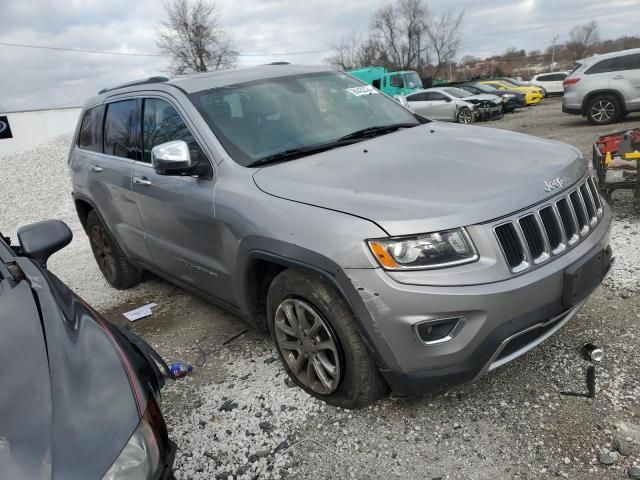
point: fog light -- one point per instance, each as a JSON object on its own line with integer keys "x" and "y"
{"x": 431, "y": 332}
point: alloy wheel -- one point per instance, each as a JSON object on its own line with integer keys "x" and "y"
{"x": 603, "y": 111}
{"x": 465, "y": 116}
{"x": 308, "y": 345}
{"x": 103, "y": 251}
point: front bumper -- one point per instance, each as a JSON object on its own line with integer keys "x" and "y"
{"x": 488, "y": 111}
{"x": 527, "y": 308}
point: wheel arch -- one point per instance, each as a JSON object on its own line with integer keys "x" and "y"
{"x": 603, "y": 91}
{"x": 262, "y": 259}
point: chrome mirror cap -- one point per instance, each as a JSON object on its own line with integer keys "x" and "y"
{"x": 171, "y": 157}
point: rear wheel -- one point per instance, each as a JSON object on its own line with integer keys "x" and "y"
{"x": 114, "y": 265}
{"x": 318, "y": 342}
{"x": 603, "y": 109}
{"x": 465, "y": 115}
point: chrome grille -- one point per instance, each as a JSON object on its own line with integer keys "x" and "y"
{"x": 538, "y": 235}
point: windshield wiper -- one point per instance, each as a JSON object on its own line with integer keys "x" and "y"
{"x": 291, "y": 154}
{"x": 377, "y": 130}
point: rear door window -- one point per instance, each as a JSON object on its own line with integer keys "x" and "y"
{"x": 121, "y": 131}
{"x": 89, "y": 137}
{"x": 162, "y": 123}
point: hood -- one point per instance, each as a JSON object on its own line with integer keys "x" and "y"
{"x": 79, "y": 381}
{"x": 483, "y": 97}
{"x": 428, "y": 178}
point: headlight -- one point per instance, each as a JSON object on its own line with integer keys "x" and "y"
{"x": 429, "y": 250}
{"x": 140, "y": 458}
{"x": 508, "y": 95}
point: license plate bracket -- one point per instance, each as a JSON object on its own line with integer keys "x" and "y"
{"x": 581, "y": 278}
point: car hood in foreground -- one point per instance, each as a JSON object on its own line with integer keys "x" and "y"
{"x": 428, "y": 178}
{"x": 66, "y": 404}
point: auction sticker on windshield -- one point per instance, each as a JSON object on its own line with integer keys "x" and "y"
{"x": 358, "y": 91}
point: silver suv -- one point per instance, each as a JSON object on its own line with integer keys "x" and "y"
{"x": 378, "y": 248}
{"x": 605, "y": 88}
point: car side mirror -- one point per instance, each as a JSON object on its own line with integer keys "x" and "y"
{"x": 40, "y": 240}
{"x": 172, "y": 158}
{"x": 447, "y": 99}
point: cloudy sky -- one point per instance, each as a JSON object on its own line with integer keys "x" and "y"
{"x": 31, "y": 78}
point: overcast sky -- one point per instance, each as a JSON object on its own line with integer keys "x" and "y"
{"x": 31, "y": 78}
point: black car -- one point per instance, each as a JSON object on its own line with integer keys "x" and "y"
{"x": 511, "y": 99}
{"x": 80, "y": 396}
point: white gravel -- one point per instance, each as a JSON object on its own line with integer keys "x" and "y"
{"x": 233, "y": 444}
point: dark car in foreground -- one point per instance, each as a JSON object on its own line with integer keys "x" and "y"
{"x": 511, "y": 99}
{"x": 80, "y": 397}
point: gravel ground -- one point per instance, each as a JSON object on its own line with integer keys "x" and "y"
{"x": 237, "y": 416}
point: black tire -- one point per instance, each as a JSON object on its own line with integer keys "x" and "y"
{"x": 114, "y": 265}
{"x": 603, "y": 110}
{"x": 465, "y": 116}
{"x": 360, "y": 383}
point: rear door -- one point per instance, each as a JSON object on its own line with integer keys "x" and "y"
{"x": 177, "y": 211}
{"x": 625, "y": 78}
{"x": 106, "y": 152}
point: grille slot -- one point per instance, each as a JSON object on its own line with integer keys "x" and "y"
{"x": 594, "y": 194}
{"x": 568, "y": 223}
{"x": 511, "y": 245}
{"x": 578, "y": 208}
{"x": 533, "y": 236}
{"x": 588, "y": 202}
{"x": 552, "y": 227}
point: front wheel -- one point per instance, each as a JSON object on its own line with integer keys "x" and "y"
{"x": 114, "y": 265}
{"x": 603, "y": 109}
{"x": 318, "y": 343}
{"x": 465, "y": 115}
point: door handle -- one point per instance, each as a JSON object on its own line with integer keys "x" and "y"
{"x": 95, "y": 168}
{"x": 618, "y": 77}
{"x": 141, "y": 181}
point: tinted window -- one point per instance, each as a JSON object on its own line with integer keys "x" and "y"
{"x": 89, "y": 136}
{"x": 396, "y": 81}
{"x": 417, "y": 97}
{"x": 436, "y": 96}
{"x": 121, "y": 130}
{"x": 604, "y": 66}
{"x": 545, "y": 78}
{"x": 628, "y": 62}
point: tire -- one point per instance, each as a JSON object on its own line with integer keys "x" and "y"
{"x": 464, "y": 116}
{"x": 603, "y": 110}
{"x": 353, "y": 381}
{"x": 114, "y": 265}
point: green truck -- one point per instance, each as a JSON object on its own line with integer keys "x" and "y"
{"x": 391, "y": 83}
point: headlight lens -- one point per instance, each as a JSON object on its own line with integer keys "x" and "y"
{"x": 429, "y": 250}
{"x": 139, "y": 459}
{"x": 508, "y": 95}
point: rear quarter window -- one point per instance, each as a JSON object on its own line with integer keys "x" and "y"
{"x": 89, "y": 137}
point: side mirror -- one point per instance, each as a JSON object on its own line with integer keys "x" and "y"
{"x": 171, "y": 158}
{"x": 42, "y": 239}
{"x": 447, "y": 99}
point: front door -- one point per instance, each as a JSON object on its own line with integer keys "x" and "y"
{"x": 177, "y": 210}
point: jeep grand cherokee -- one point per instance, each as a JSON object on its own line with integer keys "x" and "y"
{"x": 378, "y": 248}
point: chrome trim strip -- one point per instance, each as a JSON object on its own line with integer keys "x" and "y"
{"x": 492, "y": 364}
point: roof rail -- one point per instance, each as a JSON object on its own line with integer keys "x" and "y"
{"x": 134, "y": 83}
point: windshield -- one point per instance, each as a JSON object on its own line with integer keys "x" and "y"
{"x": 412, "y": 80}
{"x": 512, "y": 81}
{"x": 263, "y": 118}
{"x": 456, "y": 92}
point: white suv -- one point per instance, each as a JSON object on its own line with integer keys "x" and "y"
{"x": 551, "y": 82}
{"x": 604, "y": 88}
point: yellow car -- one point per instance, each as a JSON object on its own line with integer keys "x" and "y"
{"x": 532, "y": 95}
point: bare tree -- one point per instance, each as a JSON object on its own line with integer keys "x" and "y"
{"x": 192, "y": 38}
{"x": 582, "y": 39}
{"x": 443, "y": 32}
{"x": 345, "y": 53}
{"x": 398, "y": 33}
